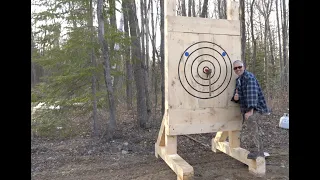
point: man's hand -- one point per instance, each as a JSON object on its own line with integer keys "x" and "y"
{"x": 248, "y": 114}
{"x": 236, "y": 95}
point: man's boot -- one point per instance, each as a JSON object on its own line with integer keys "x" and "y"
{"x": 253, "y": 155}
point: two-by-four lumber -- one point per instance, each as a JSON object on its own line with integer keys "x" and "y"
{"x": 234, "y": 139}
{"x": 166, "y": 147}
{"x": 232, "y": 148}
{"x": 183, "y": 170}
{"x": 221, "y": 136}
{"x": 161, "y": 137}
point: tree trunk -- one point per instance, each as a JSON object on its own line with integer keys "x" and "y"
{"x": 279, "y": 41}
{"x": 199, "y": 11}
{"x": 162, "y": 56}
{"x": 285, "y": 55}
{"x": 189, "y": 8}
{"x": 219, "y": 9}
{"x": 272, "y": 59}
{"x": 146, "y": 77}
{"x": 33, "y": 69}
{"x": 105, "y": 52}
{"x": 204, "y": 12}
{"x": 222, "y": 9}
{"x": 129, "y": 73}
{"x": 153, "y": 72}
{"x": 193, "y": 9}
{"x": 248, "y": 47}
{"x": 120, "y": 66}
{"x": 261, "y": 31}
{"x": 266, "y": 59}
{"x": 271, "y": 45}
{"x": 266, "y": 10}
{"x": 243, "y": 31}
{"x": 113, "y": 23}
{"x": 138, "y": 64}
{"x": 142, "y": 30}
{"x": 254, "y": 43}
{"x": 94, "y": 65}
{"x": 146, "y": 12}
{"x": 184, "y": 13}
{"x": 273, "y": 73}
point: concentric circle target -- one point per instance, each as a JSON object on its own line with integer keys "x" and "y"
{"x": 205, "y": 70}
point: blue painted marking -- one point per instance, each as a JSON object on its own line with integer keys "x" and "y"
{"x": 224, "y": 53}
{"x": 186, "y": 54}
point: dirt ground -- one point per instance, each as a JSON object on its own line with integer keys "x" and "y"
{"x": 131, "y": 156}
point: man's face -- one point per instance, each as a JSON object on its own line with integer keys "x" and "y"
{"x": 238, "y": 68}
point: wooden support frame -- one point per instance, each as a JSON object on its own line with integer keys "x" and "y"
{"x": 166, "y": 147}
{"x": 185, "y": 114}
{"x": 233, "y": 149}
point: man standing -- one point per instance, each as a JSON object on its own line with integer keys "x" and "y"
{"x": 252, "y": 105}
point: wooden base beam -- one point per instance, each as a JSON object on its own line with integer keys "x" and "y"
{"x": 257, "y": 167}
{"x": 166, "y": 147}
{"x": 183, "y": 170}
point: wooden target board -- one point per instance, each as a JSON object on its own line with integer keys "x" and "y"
{"x": 199, "y": 85}
{"x": 197, "y": 101}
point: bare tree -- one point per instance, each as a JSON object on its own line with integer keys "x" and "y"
{"x": 279, "y": 41}
{"x": 162, "y": 56}
{"x": 113, "y": 21}
{"x": 204, "y": 12}
{"x": 138, "y": 64}
{"x": 193, "y": 9}
{"x": 154, "y": 51}
{"x": 243, "y": 30}
{"x": 184, "y": 13}
{"x": 105, "y": 53}
{"x": 146, "y": 63}
{"x": 129, "y": 72}
{"x": 33, "y": 68}
{"x": 284, "y": 39}
{"x": 222, "y": 9}
{"x": 189, "y": 8}
{"x": 265, "y": 11}
{"x": 254, "y": 43}
{"x": 199, "y": 11}
{"x": 117, "y": 66}
{"x": 142, "y": 30}
{"x": 94, "y": 64}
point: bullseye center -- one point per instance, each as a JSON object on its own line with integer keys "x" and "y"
{"x": 206, "y": 70}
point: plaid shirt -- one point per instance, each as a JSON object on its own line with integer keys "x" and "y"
{"x": 250, "y": 94}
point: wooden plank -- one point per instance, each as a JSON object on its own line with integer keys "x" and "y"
{"x": 161, "y": 138}
{"x": 183, "y": 121}
{"x": 203, "y": 115}
{"x": 161, "y": 135}
{"x": 232, "y": 10}
{"x": 203, "y": 25}
{"x": 179, "y": 98}
{"x": 221, "y": 136}
{"x": 234, "y": 139}
{"x": 238, "y": 153}
{"x": 260, "y": 169}
{"x": 181, "y": 129}
{"x": 170, "y": 7}
{"x": 171, "y": 144}
{"x": 258, "y": 166}
{"x": 183, "y": 170}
